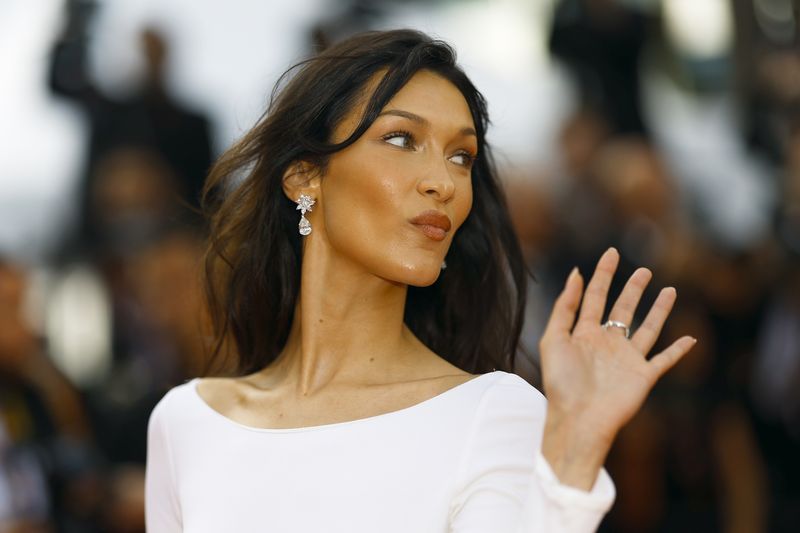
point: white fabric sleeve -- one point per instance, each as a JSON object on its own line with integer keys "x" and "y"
{"x": 505, "y": 485}
{"x": 162, "y": 510}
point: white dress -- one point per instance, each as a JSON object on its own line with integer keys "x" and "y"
{"x": 464, "y": 461}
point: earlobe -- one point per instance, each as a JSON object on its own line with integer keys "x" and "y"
{"x": 301, "y": 177}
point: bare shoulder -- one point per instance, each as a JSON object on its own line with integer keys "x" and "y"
{"x": 221, "y": 393}
{"x": 442, "y": 375}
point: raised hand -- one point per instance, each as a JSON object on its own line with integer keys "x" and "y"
{"x": 595, "y": 377}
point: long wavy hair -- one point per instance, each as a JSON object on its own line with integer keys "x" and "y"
{"x": 471, "y": 316}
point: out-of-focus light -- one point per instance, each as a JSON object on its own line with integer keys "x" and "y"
{"x": 78, "y": 326}
{"x": 509, "y": 38}
{"x": 701, "y": 29}
{"x": 776, "y": 19}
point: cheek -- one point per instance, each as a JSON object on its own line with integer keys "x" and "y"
{"x": 363, "y": 203}
{"x": 463, "y": 203}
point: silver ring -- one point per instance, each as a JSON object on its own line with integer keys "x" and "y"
{"x": 617, "y": 324}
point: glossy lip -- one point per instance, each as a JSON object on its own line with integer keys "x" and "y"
{"x": 434, "y": 224}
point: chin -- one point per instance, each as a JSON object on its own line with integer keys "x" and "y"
{"x": 427, "y": 282}
{"x": 418, "y": 275}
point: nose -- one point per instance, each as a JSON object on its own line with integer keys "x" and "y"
{"x": 437, "y": 184}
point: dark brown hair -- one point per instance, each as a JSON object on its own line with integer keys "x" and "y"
{"x": 471, "y": 316}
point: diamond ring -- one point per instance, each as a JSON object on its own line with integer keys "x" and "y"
{"x": 617, "y": 324}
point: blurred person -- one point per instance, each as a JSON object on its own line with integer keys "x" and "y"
{"x": 352, "y": 16}
{"x": 133, "y": 202}
{"x": 787, "y": 216}
{"x": 775, "y": 372}
{"x": 552, "y": 223}
{"x": 620, "y": 186}
{"x": 732, "y": 289}
{"x": 642, "y": 197}
{"x": 582, "y": 203}
{"x": 49, "y": 468}
{"x": 768, "y": 72}
{"x": 373, "y": 335}
{"x": 123, "y": 511}
{"x": 168, "y": 285}
{"x": 133, "y": 199}
{"x": 149, "y": 119}
{"x": 601, "y": 42}
{"x": 143, "y": 254}
{"x": 773, "y": 387}
{"x": 25, "y": 501}
{"x": 651, "y": 226}
{"x": 532, "y": 213}
{"x": 161, "y": 343}
{"x": 616, "y": 186}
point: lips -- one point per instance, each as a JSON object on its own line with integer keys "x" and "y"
{"x": 434, "y": 224}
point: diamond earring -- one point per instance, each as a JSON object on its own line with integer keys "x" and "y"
{"x": 304, "y": 204}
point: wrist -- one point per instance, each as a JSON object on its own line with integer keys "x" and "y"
{"x": 574, "y": 449}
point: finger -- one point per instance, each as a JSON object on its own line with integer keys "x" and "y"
{"x": 647, "y": 334}
{"x": 625, "y": 306}
{"x": 594, "y": 301}
{"x": 566, "y": 306}
{"x": 667, "y": 359}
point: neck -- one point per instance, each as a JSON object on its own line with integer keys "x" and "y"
{"x": 348, "y": 325}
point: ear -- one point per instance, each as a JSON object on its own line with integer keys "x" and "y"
{"x": 301, "y": 177}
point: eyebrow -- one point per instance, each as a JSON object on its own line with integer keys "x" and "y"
{"x": 422, "y": 120}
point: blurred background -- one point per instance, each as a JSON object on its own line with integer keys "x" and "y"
{"x": 667, "y": 128}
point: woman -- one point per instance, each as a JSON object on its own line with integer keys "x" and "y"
{"x": 364, "y": 268}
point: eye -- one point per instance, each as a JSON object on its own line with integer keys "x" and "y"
{"x": 401, "y": 139}
{"x": 465, "y": 159}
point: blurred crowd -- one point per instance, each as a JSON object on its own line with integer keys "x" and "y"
{"x": 714, "y": 448}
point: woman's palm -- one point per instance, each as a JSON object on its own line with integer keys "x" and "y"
{"x": 597, "y": 374}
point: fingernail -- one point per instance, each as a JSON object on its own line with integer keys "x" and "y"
{"x": 573, "y": 273}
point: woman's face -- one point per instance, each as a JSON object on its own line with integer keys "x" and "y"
{"x": 392, "y": 201}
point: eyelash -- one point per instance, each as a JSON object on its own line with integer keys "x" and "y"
{"x": 399, "y": 133}
{"x": 470, "y": 159}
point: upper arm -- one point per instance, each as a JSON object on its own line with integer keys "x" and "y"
{"x": 162, "y": 510}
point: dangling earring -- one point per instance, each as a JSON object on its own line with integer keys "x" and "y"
{"x": 304, "y": 204}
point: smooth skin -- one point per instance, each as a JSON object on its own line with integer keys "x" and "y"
{"x": 349, "y": 354}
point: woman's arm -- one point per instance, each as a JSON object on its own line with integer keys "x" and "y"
{"x": 162, "y": 509}
{"x": 504, "y": 483}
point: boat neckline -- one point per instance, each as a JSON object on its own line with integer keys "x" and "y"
{"x": 358, "y": 421}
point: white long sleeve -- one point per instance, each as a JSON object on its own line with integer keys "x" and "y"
{"x": 507, "y": 484}
{"x": 465, "y": 461}
{"x": 161, "y": 500}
